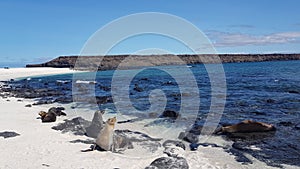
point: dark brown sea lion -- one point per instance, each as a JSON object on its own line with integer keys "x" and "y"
{"x": 247, "y": 126}
{"x": 57, "y": 110}
{"x": 47, "y": 117}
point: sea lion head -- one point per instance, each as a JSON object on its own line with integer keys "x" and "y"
{"x": 112, "y": 121}
{"x": 100, "y": 111}
{"x": 267, "y": 127}
{"x": 42, "y": 113}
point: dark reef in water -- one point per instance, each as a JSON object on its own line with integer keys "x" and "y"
{"x": 111, "y": 62}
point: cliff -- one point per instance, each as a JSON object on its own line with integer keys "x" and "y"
{"x": 113, "y": 61}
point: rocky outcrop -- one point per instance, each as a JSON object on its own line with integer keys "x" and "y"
{"x": 174, "y": 160}
{"x": 111, "y": 62}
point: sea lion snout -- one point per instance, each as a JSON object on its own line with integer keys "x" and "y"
{"x": 42, "y": 113}
{"x": 112, "y": 121}
{"x": 271, "y": 127}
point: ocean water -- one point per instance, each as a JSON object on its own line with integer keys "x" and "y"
{"x": 261, "y": 91}
{"x": 266, "y": 91}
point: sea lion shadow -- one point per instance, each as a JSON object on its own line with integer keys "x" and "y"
{"x": 250, "y": 136}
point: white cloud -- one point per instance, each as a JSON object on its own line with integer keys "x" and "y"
{"x": 226, "y": 39}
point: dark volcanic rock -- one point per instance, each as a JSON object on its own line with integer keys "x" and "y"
{"x": 40, "y": 102}
{"x": 189, "y": 137}
{"x": 286, "y": 123}
{"x": 7, "y": 134}
{"x": 76, "y": 126}
{"x": 64, "y": 99}
{"x": 170, "y": 114}
{"x": 294, "y": 91}
{"x": 239, "y": 156}
{"x": 194, "y": 146}
{"x": 173, "y": 161}
{"x": 173, "y": 148}
{"x": 126, "y": 139}
{"x": 265, "y": 148}
{"x": 88, "y": 141}
{"x": 169, "y": 163}
{"x": 28, "y": 105}
{"x": 103, "y": 99}
{"x": 297, "y": 126}
{"x": 174, "y": 143}
{"x": 138, "y": 88}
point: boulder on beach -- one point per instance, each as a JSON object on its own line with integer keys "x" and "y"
{"x": 189, "y": 137}
{"x": 174, "y": 150}
{"x": 169, "y": 163}
{"x": 126, "y": 139}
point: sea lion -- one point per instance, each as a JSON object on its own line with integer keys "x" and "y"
{"x": 47, "y": 117}
{"x": 105, "y": 137}
{"x": 246, "y": 126}
{"x": 57, "y": 110}
{"x": 97, "y": 124}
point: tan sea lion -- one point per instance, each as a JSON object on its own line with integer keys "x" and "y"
{"x": 105, "y": 137}
{"x": 246, "y": 126}
{"x": 47, "y": 117}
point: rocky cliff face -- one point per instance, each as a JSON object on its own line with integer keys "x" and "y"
{"x": 131, "y": 61}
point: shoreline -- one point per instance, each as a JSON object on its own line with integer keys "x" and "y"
{"x": 16, "y": 73}
{"x": 40, "y": 146}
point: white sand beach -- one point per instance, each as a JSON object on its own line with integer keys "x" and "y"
{"x": 13, "y": 73}
{"x": 39, "y": 146}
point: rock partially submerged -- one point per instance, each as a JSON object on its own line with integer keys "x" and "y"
{"x": 170, "y": 114}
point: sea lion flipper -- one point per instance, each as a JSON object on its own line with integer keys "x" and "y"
{"x": 92, "y": 148}
{"x": 219, "y": 130}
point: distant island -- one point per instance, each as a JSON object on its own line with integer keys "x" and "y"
{"x": 111, "y": 62}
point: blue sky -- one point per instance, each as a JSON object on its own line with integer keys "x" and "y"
{"x": 36, "y": 31}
